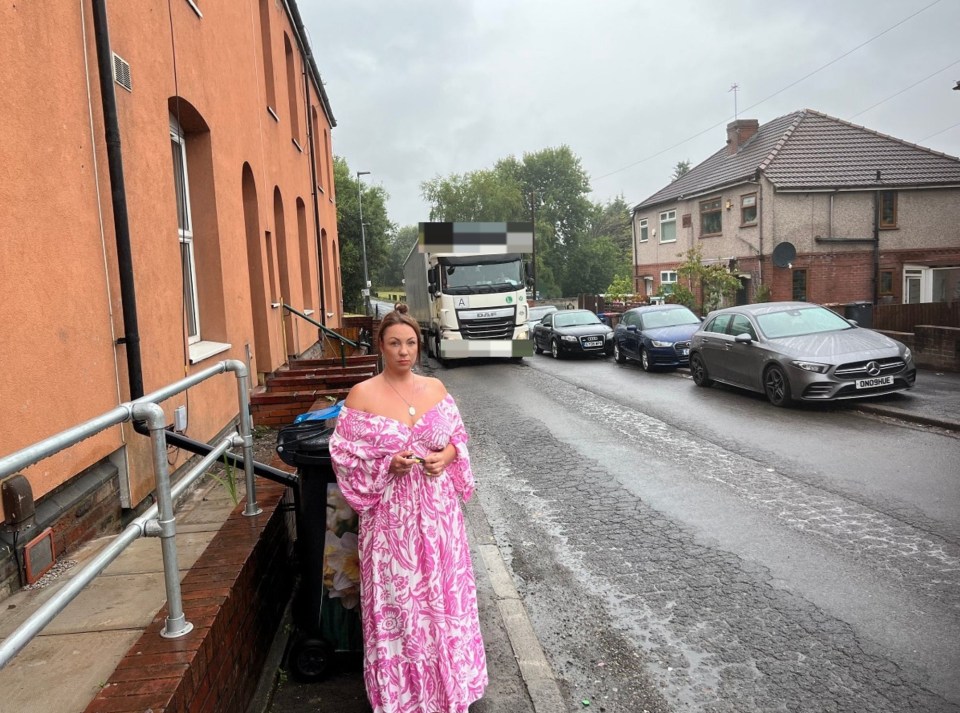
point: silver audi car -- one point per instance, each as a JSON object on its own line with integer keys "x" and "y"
{"x": 797, "y": 351}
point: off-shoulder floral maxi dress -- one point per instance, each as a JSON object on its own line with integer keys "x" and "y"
{"x": 423, "y": 652}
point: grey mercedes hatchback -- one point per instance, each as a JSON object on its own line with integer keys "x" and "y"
{"x": 797, "y": 351}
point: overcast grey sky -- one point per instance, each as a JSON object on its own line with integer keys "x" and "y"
{"x": 433, "y": 87}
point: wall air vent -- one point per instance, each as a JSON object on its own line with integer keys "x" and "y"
{"x": 121, "y": 72}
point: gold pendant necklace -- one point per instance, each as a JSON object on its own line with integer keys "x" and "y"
{"x": 410, "y": 409}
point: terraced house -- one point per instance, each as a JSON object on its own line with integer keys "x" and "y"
{"x": 813, "y": 208}
{"x": 167, "y": 184}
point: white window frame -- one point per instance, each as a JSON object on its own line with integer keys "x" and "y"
{"x": 671, "y": 217}
{"x": 922, "y": 275}
{"x": 643, "y": 231}
{"x": 185, "y": 234}
{"x": 665, "y": 276}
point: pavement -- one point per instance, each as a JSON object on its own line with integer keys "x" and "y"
{"x": 64, "y": 667}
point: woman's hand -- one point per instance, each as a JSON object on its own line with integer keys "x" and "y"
{"x": 403, "y": 462}
{"x": 437, "y": 461}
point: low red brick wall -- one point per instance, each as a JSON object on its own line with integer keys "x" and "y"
{"x": 234, "y": 596}
{"x": 932, "y": 347}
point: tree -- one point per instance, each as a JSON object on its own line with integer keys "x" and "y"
{"x": 399, "y": 245}
{"x": 716, "y": 282}
{"x": 594, "y": 265}
{"x": 619, "y": 289}
{"x": 492, "y": 195}
{"x": 377, "y": 229}
{"x": 612, "y": 220}
{"x": 548, "y": 187}
{"x": 681, "y": 169}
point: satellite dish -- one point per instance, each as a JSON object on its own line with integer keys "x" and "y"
{"x": 784, "y": 254}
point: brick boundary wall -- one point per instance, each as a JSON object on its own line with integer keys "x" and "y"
{"x": 234, "y": 596}
{"x": 932, "y": 347}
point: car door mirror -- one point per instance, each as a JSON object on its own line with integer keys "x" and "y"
{"x": 853, "y": 322}
{"x": 743, "y": 338}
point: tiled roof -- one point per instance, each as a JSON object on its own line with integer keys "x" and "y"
{"x": 807, "y": 150}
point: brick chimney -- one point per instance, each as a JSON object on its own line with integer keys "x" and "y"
{"x": 739, "y": 132}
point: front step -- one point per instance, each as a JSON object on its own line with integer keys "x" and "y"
{"x": 277, "y": 409}
{"x": 352, "y": 361}
{"x": 307, "y": 385}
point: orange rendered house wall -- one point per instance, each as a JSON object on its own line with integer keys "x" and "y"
{"x": 61, "y": 310}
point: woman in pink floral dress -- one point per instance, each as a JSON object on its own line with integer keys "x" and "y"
{"x": 399, "y": 452}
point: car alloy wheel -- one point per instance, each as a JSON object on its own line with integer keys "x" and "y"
{"x": 555, "y": 349}
{"x": 776, "y": 386}
{"x": 699, "y": 371}
{"x": 617, "y": 354}
{"x": 645, "y": 360}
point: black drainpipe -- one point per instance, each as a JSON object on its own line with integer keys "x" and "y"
{"x": 876, "y": 243}
{"x": 128, "y": 295}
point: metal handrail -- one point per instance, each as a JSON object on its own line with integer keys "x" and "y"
{"x": 326, "y": 331}
{"x": 159, "y": 520}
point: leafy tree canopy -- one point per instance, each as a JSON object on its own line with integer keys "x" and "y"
{"x": 579, "y": 245}
{"x": 378, "y": 232}
{"x": 682, "y": 168}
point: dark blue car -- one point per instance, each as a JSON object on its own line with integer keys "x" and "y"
{"x": 655, "y": 335}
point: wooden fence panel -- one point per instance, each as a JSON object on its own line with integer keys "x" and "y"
{"x": 903, "y": 318}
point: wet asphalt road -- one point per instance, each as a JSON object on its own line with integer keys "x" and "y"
{"x": 682, "y": 549}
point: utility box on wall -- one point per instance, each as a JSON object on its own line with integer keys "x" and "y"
{"x": 18, "y": 505}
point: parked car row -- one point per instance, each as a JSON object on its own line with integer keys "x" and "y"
{"x": 788, "y": 351}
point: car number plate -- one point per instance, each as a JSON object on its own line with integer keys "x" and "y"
{"x": 874, "y": 382}
{"x": 592, "y": 343}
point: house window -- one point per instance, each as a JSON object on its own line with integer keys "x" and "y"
{"x": 267, "y": 47}
{"x": 668, "y": 278}
{"x": 886, "y": 282}
{"x": 668, "y": 226}
{"x": 888, "y": 209}
{"x": 644, "y": 231}
{"x": 292, "y": 91}
{"x": 800, "y": 285}
{"x": 711, "y": 217}
{"x": 185, "y": 229}
{"x": 748, "y": 209}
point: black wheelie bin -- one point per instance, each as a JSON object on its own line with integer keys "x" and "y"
{"x": 326, "y": 607}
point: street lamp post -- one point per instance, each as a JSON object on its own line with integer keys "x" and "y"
{"x": 363, "y": 244}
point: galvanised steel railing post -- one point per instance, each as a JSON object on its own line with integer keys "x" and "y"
{"x": 246, "y": 434}
{"x": 176, "y": 623}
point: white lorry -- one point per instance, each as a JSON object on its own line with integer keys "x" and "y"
{"x": 466, "y": 285}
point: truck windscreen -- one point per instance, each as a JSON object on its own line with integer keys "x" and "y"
{"x": 482, "y": 277}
